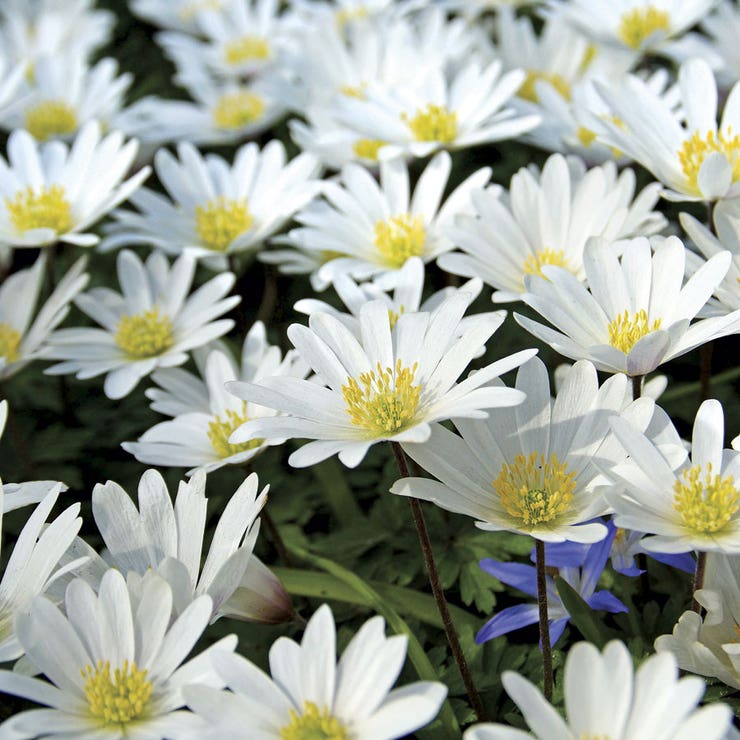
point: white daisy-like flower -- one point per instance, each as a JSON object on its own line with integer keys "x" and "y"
{"x": 367, "y": 229}
{"x": 50, "y": 192}
{"x": 723, "y": 28}
{"x": 694, "y": 505}
{"x": 348, "y": 13}
{"x": 606, "y": 697}
{"x": 12, "y": 76}
{"x": 546, "y": 220}
{"x": 179, "y": 15}
{"x": 636, "y": 312}
{"x": 22, "y": 337}
{"x": 309, "y": 694}
{"x": 388, "y": 385}
{"x": 638, "y": 25}
{"x": 709, "y": 646}
{"x": 216, "y": 208}
{"x": 691, "y": 154}
{"x": 33, "y": 564}
{"x": 439, "y": 111}
{"x": 154, "y": 323}
{"x": 534, "y": 469}
{"x": 114, "y": 663}
{"x": 168, "y": 538}
{"x": 205, "y": 414}
{"x": 66, "y": 93}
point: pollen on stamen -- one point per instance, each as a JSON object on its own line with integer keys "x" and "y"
{"x": 393, "y": 316}
{"x": 148, "y": 334}
{"x": 535, "y": 491}
{"x": 627, "y": 329}
{"x": 638, "y": 24}
{"x": 237, "y": 109}
{"x": 45, "y": 208}
{"x": 528, "y": 89}
{"x": 382, "y": 401}
{"x": 247, "y": 49}
{"x": 368, "y": 148}
{"x": 313, "y": 724}
{"x": 433, "y": 123}
{"x": 705, "y": 502}
{"x": 10, "y": 340}
{"x": 535, "y": 262}
{"x": 50, "y": 118}
{"x": 222, "y": 427}
{"x": 118, "y": 699}
{"x": 399, "y": 238}
{"x": 698, "y": 147}
{"x": 222, "y": 220}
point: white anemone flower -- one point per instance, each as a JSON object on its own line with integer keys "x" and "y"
{"x": 637, "y": 25}
{"x": 216, "y": 209}
{"x": 533, "y": 469}
{"x": 388, "y": 385}
{"x": 547, "y": 219}
{"x": 606, "y": 697}
{"x": 50, "y": 192}
{"x": 114, "y": 663}
{"x": 205, "y": 414}
{"x": 694, "y": 505}
{"x": 311, "y": 695}
{"x": 152, "y": 324}
{"x": 34, "y": 564}
{"x": 369, "y": 230}
{"x": 168, "y": 538}
{"x": 22, "y": 337}
{"x": 636, "y": 312}
{"x": 179, "y": 15}
{"x": 687, "y": 151}
{"x": 709, "y": 646}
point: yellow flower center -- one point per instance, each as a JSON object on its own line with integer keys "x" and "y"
{"x": 313, "y": 724}
{"x": 119, "y": 699}
{"x": 434, "y": 123}
{"x": 50, "y": 118}
{"x": 247, "y": 49}
{"x": 195, "y": 7}
{"x": 46, "y": 208}
{"x": 393, "y": 316}
{"x": 586, "y": 136}
{"x": 145, "y": 334}
{"x": 626, "y": 330}
{"x": 694, "y": 151}
{"x": 10, "y": 340}
{"x": 535, "y": 262}
{"x": 222, "y": 427}
{"x": 535, "y": 491}
{"x": 528, "y": 89}
{"x": 220, "y": 221}
{"x": 238, "y": 109}
{"x": 368, "y": 148}
{"x": 705, "y": 504}
{"x": 638, "y": 24}
{"x": 382, "y": 402}
{"x": 347, "y": 15}
{"x": 399, "y": 238}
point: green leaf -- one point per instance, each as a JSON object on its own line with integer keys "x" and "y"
{"x": 338, "y": 494}
{"x": 581, "y": 614}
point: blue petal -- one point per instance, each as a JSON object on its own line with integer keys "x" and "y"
{"x": 507, "y": 620}
{"x": 557, "y": 628}
{"x": 606, "y": 601}
{"x": 517, "y": 575}
{"x": 631, "y": 571}
{"x": 563, "y": 554}
{"x": 683, "y": 560}
{"x": 594, "y": 564}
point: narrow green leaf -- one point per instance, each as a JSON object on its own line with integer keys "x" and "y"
{"x": 338, "y": 494}
{"x": 581, "y": 614}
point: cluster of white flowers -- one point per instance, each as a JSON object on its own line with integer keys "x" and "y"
{"x": 607, "y": 274}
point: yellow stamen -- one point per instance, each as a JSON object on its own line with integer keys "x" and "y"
{"x": 10, "y": 340}
{"x": 220, "y": 221}
{"x": 586, "y": 136}
{"x": 345, "y": 16}
{"x": 50, "y": 118}
{"x": 528, "y": 89}
{"x": 626, "y": 330}
{"x": 695, "y": 150}
{"x": 353, "y": 91}
{"x": 237, "y": 109}
{"x": 393, "y": 316}
{"x": 120, "y": 699}
{"x": 247, "y": 49}
{"x": 399, "y": 238}
{"x": 45, "y": 208}
{"x": 147, "y": 334}
{"x": 638, "y": 24}
{"x": 327, "y": 255}
{"x": 592, "y": 51}
{"x": 535, "y": 491}
{"x": 434, "y": 123}
{"x": 535, "y": 262}
{"x": 383, "y": 401}
{"x": 705, "y": 505}
{"x": 368, "y": 148}
{"x": 222, "y": 427}
{"x": 313, "y": 724}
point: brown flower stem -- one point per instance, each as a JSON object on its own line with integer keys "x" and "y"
{"x": 539, "y": 549}
{"x": 439, "y": 597}
{"x": 701, "y": 566}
